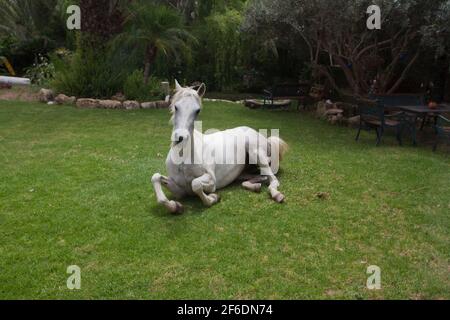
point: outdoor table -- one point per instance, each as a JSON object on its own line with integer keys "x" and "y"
{"x": 423, "y": 111}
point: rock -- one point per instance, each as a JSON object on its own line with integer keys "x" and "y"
{"x": 162, "y": 104}
{"x": 354, "y": 121}
{"x": 131, "y": 105}
{"x": 323, "y": 195}
{"x": 119, "y": 97}
{"x": 334, "y": 112}
{"x": 321, "y": 108}
{"x": 335, "y": 118}
{"x": 46, "y": 95}
{"x": 88, "y": 103}
{"x": 252, "y": 104}
{"x": 63, "y": 99}
{"x": 110, "y": 104}
{"x": 148, "y": 105}
{"x": 350, "y": 110}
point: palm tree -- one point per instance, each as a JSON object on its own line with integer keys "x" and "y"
{"x": 28, "y": 20}
{"x": 154, "y": 29}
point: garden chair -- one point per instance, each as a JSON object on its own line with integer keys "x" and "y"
{"x": 391, "y": 101}
{"x": 442, "y": 130}
{"x": 372, "y": 116}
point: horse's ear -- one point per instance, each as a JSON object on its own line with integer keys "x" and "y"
{"x": 201, "y": 90}
{"x": 177, "y": 85}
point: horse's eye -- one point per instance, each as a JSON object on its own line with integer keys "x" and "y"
{"x": 197, "y": 112}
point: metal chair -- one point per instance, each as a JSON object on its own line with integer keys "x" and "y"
{"x": 442, "y": 130}
{"x": 372, "y": 116}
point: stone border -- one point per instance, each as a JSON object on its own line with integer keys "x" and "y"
{"x": 119, "y": 103}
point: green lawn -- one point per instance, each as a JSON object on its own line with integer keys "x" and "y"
{"x": 75, "y": 190}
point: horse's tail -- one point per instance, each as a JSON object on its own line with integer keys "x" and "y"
{"x": 283, "y": 147}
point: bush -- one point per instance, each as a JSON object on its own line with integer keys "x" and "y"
{"x": 135, "y": 89}
{"x": 87, "y": 73}
{"x": 41, "y": 72}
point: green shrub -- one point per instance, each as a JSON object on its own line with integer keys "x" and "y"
{"x": 135, "y": 89}
{"x": 88, "y": 74}
{"x": 41, "y": 72}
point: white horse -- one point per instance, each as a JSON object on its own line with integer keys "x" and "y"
{"x": 203, "y": 178}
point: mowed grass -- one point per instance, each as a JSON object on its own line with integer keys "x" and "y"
{"x": 75, "y": 190}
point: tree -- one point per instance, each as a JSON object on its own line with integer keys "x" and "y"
{"x": 32, "y": 20}
{"x": 31, "y": 27}
{"x": 100, "y": 21}
{"x": 338, "y": 28}
{"x": 154, "y": 29}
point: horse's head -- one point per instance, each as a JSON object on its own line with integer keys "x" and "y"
{"x": 185, "y": 106}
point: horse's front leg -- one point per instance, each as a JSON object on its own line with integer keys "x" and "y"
{"x": 157, "y": 182}
{"x": 204, "y": 184}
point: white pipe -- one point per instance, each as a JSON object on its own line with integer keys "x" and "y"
{"x": 15, "y": 81}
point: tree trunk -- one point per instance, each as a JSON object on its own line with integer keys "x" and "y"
{"x": 150, "y": 57}
{"x": 404, "y": 73}
{"x": 147, "y": 72}
{"x": 98, "y": 23}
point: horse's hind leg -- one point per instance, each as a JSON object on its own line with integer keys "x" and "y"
{"x": 205, "y": 184}
{"x": 266, "y": 170}
{"x": 254, "y": 183}
{"x": 173, "y": 206}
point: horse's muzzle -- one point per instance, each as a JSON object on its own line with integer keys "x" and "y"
{"x": 180, "y": 135}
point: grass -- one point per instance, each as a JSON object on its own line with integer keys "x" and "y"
{"x": 75, "y": 190}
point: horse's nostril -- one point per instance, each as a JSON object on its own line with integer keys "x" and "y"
{"x": 180, "y": 139}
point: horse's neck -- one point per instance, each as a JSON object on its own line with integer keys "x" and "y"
{"x": 198, "y": 137}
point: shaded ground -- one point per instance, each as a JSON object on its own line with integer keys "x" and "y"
{"x": 75, "y": 190}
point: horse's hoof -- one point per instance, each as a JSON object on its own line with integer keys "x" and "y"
{"x": 279, "y": 198}
{"x": 216, "y": 198}
{"x": 176, "y": 207}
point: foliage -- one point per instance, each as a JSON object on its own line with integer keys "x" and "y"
{"x": 101, "y": 21}
{"x": 41, "y": 72}
{"x": 338, "y": 29}
{"x": 32, "y": 27}
{"x": 154, "y": 29}
{"x": 437, "y": 35}
{"x": 219, "y": 57}
{"x": 5, "y": 46}
{"x": 236, "y": 45}
{"x": 223, "y": 41}
{"x": 135, "y": 88}
{"x": 88, "y": 73}
{"x": 27, "y": 20}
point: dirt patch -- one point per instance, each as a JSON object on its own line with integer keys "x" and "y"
{"x": 20, "y": 94}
